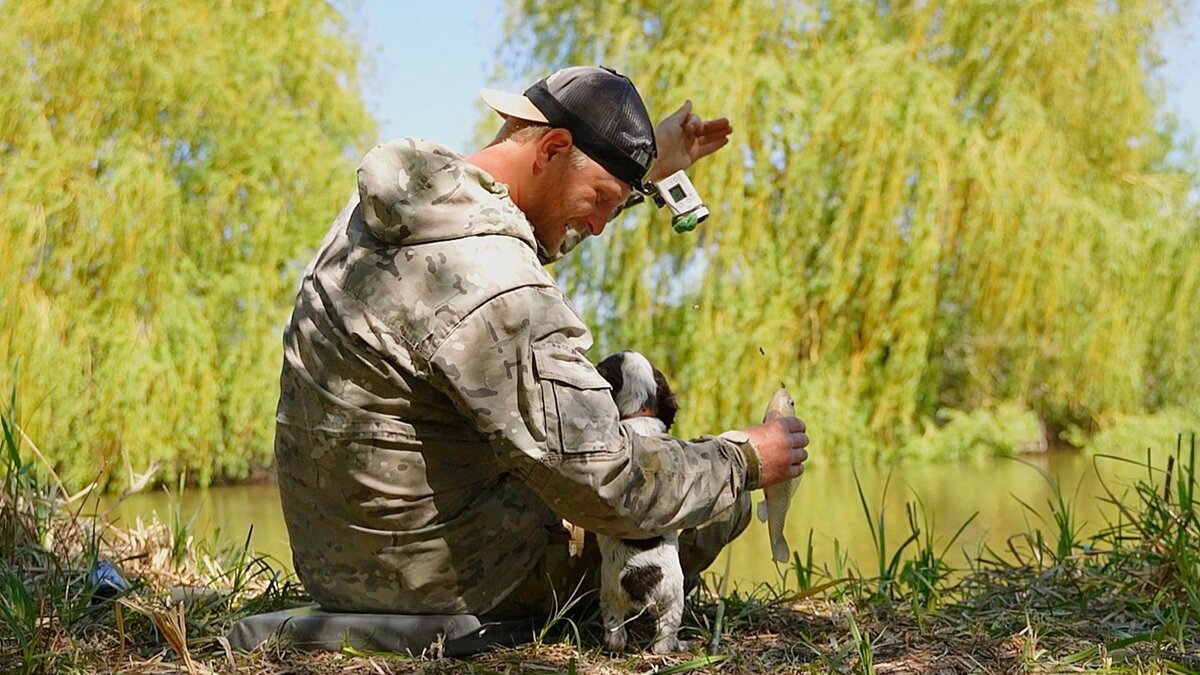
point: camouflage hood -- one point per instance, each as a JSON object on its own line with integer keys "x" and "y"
{"x": 414, "y": 192}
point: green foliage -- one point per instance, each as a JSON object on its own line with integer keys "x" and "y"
{"x": 1063, "y": 521}
{"x": 862, "y": 644}
{"x": 164, "y": 170}
{"x": 927, "y": 207}
{"x": 1135, "y": 433}
{"x": 1007, "y": 429}
{"x": 1162, "y": 515}
{"x": 19, "y": 616}
{"x": 39, "y": 588}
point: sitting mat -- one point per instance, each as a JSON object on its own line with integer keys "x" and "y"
{"x": 311, "y": 629}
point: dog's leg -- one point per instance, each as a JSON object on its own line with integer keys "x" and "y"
{"x": 614, "y": 629}
{"x": 613, "y": 603}
{"x": 668, "y": 610}
{"x": 666, "y": 639}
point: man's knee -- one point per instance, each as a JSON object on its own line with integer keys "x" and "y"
{"x": 560, "y": 579}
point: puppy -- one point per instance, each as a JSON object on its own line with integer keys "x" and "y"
{"x": 637, "y": 575}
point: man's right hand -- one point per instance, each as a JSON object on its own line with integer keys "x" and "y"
{"x": 781, "y": 449}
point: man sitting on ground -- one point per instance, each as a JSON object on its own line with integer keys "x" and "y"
{"x": 437, "y": 416}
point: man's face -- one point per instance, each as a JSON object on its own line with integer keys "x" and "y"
{"x": 568, "y": 197}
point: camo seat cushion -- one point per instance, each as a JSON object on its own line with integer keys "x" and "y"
{"x": 311, "y": 629}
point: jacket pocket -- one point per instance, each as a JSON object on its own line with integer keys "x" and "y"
{"x": 581, "y": 416}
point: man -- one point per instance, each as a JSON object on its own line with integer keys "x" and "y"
{"x": 437, "y": 417}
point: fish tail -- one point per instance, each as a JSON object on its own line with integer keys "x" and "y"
{"x": 780, "y": 550}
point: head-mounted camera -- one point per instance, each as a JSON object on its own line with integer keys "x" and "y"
{"x": 678, "y": 194}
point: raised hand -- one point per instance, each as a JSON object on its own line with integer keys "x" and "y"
{"x": 683, "y": 137}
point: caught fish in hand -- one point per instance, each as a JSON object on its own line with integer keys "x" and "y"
{"x": 773, "y": 511}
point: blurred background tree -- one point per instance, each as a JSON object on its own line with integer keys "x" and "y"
{"x": 165, "y": 171}
{"x": 950, "y": 226}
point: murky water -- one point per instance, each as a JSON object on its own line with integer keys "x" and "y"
{"x": 827, "y": 503}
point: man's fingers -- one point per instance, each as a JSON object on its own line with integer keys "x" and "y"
{"x": 711, "y": 136}
{"x": 682, "y": 114}
{"x": 793, "y": 424}
{"x": 782, "y": 444}
{"x": 706, "y": 148}
{"x": 709, "y": 133}
{"x": 719, "y": 126}
{"x": 712, "y": 139}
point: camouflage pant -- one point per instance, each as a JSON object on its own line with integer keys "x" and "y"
{"x": 560, "y": 577}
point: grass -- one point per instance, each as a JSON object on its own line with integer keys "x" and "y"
{"x": 1124, "y": 600}
{"x": 51, "y": 617}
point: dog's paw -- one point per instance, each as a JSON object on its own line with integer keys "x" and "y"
{"x": 615, "y": 639}
{"x": 672, "y": 645}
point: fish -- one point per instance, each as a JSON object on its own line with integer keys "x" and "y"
{"x": 773, "y": 510}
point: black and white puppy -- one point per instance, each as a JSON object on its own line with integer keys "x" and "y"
{"x": 639, "y": 575}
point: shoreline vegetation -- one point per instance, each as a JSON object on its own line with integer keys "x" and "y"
{"x": 1126, "y": 599}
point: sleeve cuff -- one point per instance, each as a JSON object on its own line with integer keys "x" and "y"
{"x": 750, "y": 453}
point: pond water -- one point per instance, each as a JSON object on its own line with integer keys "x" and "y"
{"x": 827, "y": 504}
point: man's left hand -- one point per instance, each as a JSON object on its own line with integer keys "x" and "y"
{"x": 682, "y": 138}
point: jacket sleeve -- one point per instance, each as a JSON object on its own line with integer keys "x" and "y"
{"x": 515, "y": 368}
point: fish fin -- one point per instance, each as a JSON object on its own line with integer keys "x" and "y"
{"x": 762, "y": 511}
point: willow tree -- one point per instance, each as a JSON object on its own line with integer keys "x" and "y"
{"x": 937, "y": 216}
{"x": 163, "y": 169}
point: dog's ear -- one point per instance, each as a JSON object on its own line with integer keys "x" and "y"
{"x": 610, "y": 370}
{"x": 667, "y": 404}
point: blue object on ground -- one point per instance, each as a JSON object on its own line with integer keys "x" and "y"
{"x": 106, "y": 581}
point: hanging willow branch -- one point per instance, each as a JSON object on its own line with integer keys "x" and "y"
{"x": 165, "y": 169}
{"x": 930, "y": 210}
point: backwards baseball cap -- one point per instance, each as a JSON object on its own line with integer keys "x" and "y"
{"x": 602, "y": 110}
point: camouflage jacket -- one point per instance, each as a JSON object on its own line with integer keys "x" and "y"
{"x": 437, "y": 414}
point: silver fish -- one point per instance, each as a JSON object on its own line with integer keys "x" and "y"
{"x": 773, "y": 511}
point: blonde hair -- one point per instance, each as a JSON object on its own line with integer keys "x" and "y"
{"x": 524, "y": 131}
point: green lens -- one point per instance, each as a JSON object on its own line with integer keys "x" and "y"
{"x": 685, "y": 223}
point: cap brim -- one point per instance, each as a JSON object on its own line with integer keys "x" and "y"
{"x": 512, "y": 105}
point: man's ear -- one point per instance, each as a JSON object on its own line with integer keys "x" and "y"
{"x": 552, "y": 144}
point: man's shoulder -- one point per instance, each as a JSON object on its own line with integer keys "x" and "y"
{"x": 424, "y": 291}
{"x": 492, "y": 259}
{"x": 474, "y": 270}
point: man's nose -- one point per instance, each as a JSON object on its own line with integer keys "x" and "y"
{"x": 595, "y": 224}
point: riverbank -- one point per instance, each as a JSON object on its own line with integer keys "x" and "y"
{"x": 1124, "y": 600}
{"x": 986, "y": 491}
